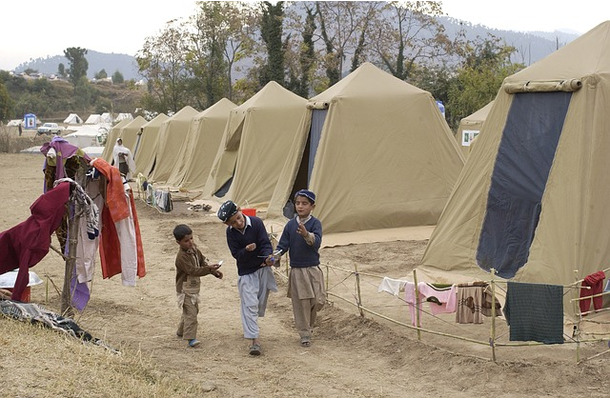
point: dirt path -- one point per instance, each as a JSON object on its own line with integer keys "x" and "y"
{"x": 350, "y": 356}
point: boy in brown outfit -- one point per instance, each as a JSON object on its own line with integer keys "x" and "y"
{"x": 191, "y": 265}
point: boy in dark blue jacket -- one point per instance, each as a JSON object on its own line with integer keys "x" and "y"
{"x": 302, "y": 237}
{"x": 250, "y": 246}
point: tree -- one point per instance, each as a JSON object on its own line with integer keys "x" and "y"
{"x": 101, "y": 74}
{"x": 83, "y": 95}
{"x": 271, "y": 32}
{"x": 117, "y": 77}
{"x": 486, "y": 63}
{"x": 344, "y": 29}
{"x": 307, "y": 56}
{"x": 162, "y": 60}
{"x": 436, "y": 79}
{"x": 6, "y": 103}
{"x": 408, "y": 34}
{"x": 222, "y": 35}
{"x": 369, "y": 14}
{"x": 61, "y": 70}
{"x": 78, "y": 64}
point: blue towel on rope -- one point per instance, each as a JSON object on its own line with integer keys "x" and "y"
{"x": 534, "y": 312}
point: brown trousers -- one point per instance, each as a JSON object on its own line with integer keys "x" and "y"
{"x": 187, "y": 328}
{"x": 308, "y": 294}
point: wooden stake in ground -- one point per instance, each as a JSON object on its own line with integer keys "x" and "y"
{"x": 66, "y": 295}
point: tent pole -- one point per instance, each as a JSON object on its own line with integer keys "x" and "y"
{"x": 358, "y": 288}
{"x": 576, "y": 309}
{"x": 492, "y": 339}
{"x": 417, "y": 305}
{"x": 327, "y": 271}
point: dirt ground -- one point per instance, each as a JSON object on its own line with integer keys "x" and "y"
{"x": 350, "y": 356}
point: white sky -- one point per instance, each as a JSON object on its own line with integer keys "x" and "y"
{"x": 41, "y": 28}
{"x": 577, "y": 16}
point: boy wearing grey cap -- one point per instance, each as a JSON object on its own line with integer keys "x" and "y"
{"x": 250, "y": 246}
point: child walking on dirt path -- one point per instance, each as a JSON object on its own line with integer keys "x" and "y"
{"x": 302, "y": 237}
{"x": 191, "y": 265}
{"x": 249, "y": 244}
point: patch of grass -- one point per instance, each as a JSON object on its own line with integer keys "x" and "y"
{"x": 40, "y": 362}
{"x": 11, "y": 142}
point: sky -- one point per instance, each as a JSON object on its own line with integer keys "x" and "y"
{"x": 41, "y": 28}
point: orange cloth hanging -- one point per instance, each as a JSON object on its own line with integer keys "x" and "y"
{"x": 118, "y": 206}
{"x": 141, "y": 266}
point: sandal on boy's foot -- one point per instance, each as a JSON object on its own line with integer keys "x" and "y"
{"x": 305, "y": 341}
{"x": 194, "y": 343}
{"x": 255, "y": 350}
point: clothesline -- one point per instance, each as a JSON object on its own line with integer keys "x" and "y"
{"x": 548, "y": 333}
{"x": 590, "y": 296}
{"x": 504, "y": 282}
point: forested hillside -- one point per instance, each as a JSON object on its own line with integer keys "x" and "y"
{"x": 52, "y": 101}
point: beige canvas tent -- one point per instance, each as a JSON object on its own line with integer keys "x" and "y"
{"x": 470, "y": 127}
{"x": 146, "y": 143}
{"x": 532, "y": 199}
{"x": 129, "y": 133}
{"x": 377, "y": 153}
{"x": 255, "y": 145}
{"x": 200, "y": 147}
{"x": 113, "y": 135}
{"x": 172, "y": 135}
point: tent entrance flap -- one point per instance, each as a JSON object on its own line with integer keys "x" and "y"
{"x": 224, "y": 188}
{"x": 315, "y": 133}
{"x": 301, "y": 181}
{"x": 318, "y": 116}
{"x": 137, "y": 145}
{"x": 521, "y": 170}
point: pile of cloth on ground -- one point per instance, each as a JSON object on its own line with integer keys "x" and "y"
{"x": 35, "y": 314}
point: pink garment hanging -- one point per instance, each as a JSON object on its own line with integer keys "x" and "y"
{"x": 447, "y": 299}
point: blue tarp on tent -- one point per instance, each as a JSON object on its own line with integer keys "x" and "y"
{"x": 522, "y": 167}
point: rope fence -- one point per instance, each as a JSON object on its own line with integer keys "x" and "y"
{"x": 359, "y": 289}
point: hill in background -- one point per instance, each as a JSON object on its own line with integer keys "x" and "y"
{"x": 530, "y": 46}
{"x": 110, "y": 62}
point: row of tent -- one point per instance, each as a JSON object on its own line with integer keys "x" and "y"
{"x": 376, "y": 151}
{"x": 73, "y": 119}
{"x": 97, "y": 119}
{"x": 530, "y": 202}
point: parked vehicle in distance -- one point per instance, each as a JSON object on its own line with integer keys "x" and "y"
{"x": 49, "y": 128}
